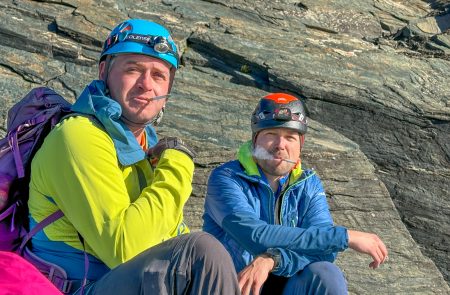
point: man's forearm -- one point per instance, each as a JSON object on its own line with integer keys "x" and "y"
{"x": 257, "y": 236}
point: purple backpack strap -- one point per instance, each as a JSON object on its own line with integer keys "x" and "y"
{"x": 49, "y": 219}
{"x": 10, "y": 210}
{"x": 14, "y": 142}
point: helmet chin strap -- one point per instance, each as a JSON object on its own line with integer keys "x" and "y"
{"x": 158, "y": 117}
{"x": 154, "y": 121}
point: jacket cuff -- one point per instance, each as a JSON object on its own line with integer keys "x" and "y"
{"x": 344, "y": 235}
{"x": 179, "y": 156}
{"x": 275, "y": 254}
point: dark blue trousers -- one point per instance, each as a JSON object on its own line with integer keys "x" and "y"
{"x": 318, "y": 278}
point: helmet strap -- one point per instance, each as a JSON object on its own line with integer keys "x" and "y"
{"x": 254, "y": 135}
{"x": 302, "y": 141}
{"x": 156, "y": 120}
{"x": 108, "y": 63}
{"x": 172, "y": 77}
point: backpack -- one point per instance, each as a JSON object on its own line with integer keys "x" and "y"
{"x": 19, "y": 277}
{"x": 29, "y": 122}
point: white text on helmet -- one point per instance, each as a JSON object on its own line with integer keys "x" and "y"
{"x": 139, "y": 37}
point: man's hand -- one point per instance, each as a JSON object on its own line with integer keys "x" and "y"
{"x": 253, "y": 276}
{"x": 168, "y": 143}
{"x": 370, "y": 244}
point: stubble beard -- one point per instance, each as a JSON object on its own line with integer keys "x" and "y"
{"x": 275, "y": 169}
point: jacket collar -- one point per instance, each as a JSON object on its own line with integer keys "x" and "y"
{"x": 245, "y": 157}
{"x": 93, "y": 101}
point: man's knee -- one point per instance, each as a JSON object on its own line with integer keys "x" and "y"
{"x": 206, "y": 247}
{"x": 212, "y": 269}
{"x": 321, "y": 277}
{"x": 325, "y": 269}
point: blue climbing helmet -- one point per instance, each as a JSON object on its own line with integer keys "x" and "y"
{"x": 141, "y": 37}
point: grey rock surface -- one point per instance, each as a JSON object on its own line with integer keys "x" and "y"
{"x": 373, "y": 75}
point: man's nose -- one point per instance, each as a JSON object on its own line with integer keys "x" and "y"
{"x": 280, "y": 142}
{"x": 146, "y": 81}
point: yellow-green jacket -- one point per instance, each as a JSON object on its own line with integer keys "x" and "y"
{"x": 97, "y": 174}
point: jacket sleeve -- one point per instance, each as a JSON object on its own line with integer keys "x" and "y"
{"x": 81, "y": 173}
{"x": 229, "y": 207}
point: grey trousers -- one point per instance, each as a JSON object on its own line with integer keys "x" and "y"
{"x": 193, "y": 263}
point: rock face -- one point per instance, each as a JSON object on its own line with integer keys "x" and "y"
{"x": 374, "y": 75}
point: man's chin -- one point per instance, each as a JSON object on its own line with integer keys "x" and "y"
{"x": 280, "y": 168}
{"x": 281, "y": 171}
{"x": 136, "y": 120}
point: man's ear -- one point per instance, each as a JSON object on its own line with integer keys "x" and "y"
{"x": 102, "y": 71}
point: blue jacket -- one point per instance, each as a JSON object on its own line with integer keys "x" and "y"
{"x": 240, "y": 212}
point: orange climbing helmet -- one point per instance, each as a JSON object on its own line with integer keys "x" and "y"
{"x": 279, "y": 110}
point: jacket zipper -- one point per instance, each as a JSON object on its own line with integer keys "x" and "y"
{"x": 270, "y": 213}
{"x": 283, "y": 195}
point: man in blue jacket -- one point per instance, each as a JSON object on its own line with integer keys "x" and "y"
{"x": 273, "y": 217}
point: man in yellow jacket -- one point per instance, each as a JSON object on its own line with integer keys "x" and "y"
{"x": 121, "y": 191}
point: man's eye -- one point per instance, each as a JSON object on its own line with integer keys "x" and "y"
{"x": 130, "y": 70}
{"x": 160, "y": 75}
{"x": 292, "y": 138}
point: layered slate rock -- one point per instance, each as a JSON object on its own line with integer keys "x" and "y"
{"x": 373, "y": 75}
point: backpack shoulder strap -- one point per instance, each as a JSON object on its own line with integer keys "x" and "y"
{"x": 49, "y": 219}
